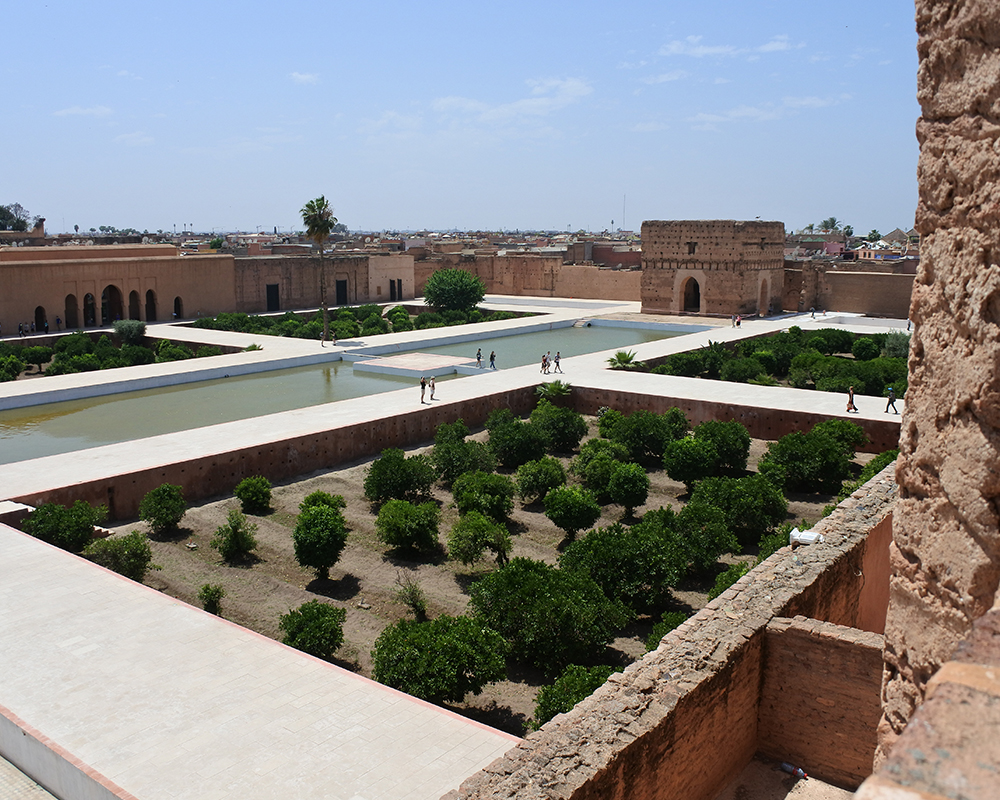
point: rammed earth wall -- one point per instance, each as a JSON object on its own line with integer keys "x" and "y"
{"x": 685, "y": 719}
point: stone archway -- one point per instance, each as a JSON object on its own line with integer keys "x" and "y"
{"x": 89, "y": 310}
{"x": 111, "y": 304}
{"x": 40, "y": 319}
{"x": 133, "y": 305}
{"x": 178, "y": 308}
{"x": 71, "y": 312}
{"x": 691, "y": 294}
{"x": 150, "y": 305}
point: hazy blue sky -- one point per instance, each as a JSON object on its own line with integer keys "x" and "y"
{"x": 458, "y": 114}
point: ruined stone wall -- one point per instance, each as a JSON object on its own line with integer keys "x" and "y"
{"x": 738, "y": 266}
{"x": 946, "y": 553}
{"x": 877, "y": 294}
{"x": 298, "y": 279}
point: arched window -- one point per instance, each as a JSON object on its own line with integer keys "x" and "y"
{"x": 89, "y": 310}
{"x": 133, "y": 305}
{"x": 71, "y": 312}
{"x": 178, "y": 308}
{"x": 692, "y": 296}
{"x": 40, "y": 319}
{"x": 150, "y": 306}
{"x": 111, "y": 304}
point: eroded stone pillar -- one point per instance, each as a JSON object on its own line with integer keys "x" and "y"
{"x": 946, "y": 550}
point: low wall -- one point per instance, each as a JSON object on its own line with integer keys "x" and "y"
{"x": 763, "y": 423}
{"x": 217, "y": 474}
{"x": 819, "y": 698}
{"x": 684, "y": 720}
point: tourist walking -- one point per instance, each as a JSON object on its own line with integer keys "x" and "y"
{"x": 732, "y": 320}
{"x": 850, "y": 401}
{"x": 543, "y": 370}
{"x": 479, "y": 358}
{"x": 20, "y": 330}
{"x": 423, "y": 388}
{"x": 432, "y": 387}
{"x": 58, "y": 323}
{"x": 892, "y": 401}
{"x": 556, "y": 362}
{"x": 493, "y": 359}
{"x": 46, "y": 326}
{"x": 739, "y": 320}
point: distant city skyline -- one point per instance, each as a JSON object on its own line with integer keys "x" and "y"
{"x": 550, "y": 116}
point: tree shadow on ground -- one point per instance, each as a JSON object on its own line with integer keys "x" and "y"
{"x": 344, "y": 588}
{"x": 408, "y": 558}
{"x": 172, "y": 535}
{"x": 496, "y": 716}
{"x": 245, "y": 561}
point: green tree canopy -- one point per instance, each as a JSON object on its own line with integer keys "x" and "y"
{"x": 316, "y": 628}
{"x": 319, "y": 538}
{"x": 317, "y": 216}
{"x": 454, "y": 290}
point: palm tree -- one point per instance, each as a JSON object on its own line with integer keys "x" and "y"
{"x": 830, "y": 224}
{"x": 626, "y": 360}
{"x": 318, "y": 218}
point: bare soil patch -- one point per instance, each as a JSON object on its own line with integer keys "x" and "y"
{"x": 364, "y": 581}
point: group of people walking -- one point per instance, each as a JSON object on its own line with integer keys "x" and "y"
{"x": 550, "y": 363}
{"x": 479, "y": 358}
{"x": 890, "y": 395}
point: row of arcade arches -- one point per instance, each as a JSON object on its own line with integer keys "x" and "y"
{"x": 110, "y": 308}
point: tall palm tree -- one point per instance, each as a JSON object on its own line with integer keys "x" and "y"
{"x": 318, "y": 218}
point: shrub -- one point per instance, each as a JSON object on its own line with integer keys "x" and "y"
{"x": 629, "y": 486}
{"x": 38, "y": 356}
{"x": 897, "y": 345}
{"x": 689, "y": 460}
{"x": 473, "y": 534}
{"x": 536, "y": 478}
{"x": 806, "y": 462}
{"x": 688, "y": 365}
{"x": 848, "y": 435}
{"x": 254, "y": 494}
{"x": 410, "y": 593}
{"x": 319, "y": 537}
{"x": 130, "y": 331}
{"x": 634, "y": 566}
{"x": 553, "y": 391}
{"x": 207, "y": 350}
{"x": 728, "y": 578}
{"x": 70, "y": 528}
{"x": 572, "y": 508}
{"x": 236, "y": 538}
{"x": 12, "y": 366}
{"x": 162, "y": 508}
{"x": 838, "y": 340}
{"x": 453, "y": 455}
{"x": 597, "y": 476}
{"x": 514, "y": 442}
{"x": 752, "y": 505}
{"x": 740, "y": 370}
{"x": 374, "y": 325}
{"x": 598, "y": 447}
{"x": 393, "y": 476}
{"x": 127, "y": 555}
{"x": 210, "y": 596}
{"x": 576, "y": 683}
{"x": 400, "y": 523}
{"x": 76, "y": 344}
{"x": 731, "y": 441}
{"x": 485, "y": 492}
{"x": 669, "y": 621}
{"x": 315, "y": 628}
{"x": 321, "y": 498}
{"x": 703, "y": 531}
{"x": 626, "y": 360}
{"x": 644, "y": 434}
{"x": 441, "y": 660}
{"x": 550, "y": 617}
{"x": 563, "y": 428}
{"x": 865, "y": 349}
{"x": 454, "y": 289}
{"x": 871, "y": 469}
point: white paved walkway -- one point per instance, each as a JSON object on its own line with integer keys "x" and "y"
{"x": 166, "y": 701}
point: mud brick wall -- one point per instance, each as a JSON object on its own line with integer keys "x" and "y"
{"x": 946, "y": 554}
{"x": 682, "y": 721}
{"x": 819, "y": 698}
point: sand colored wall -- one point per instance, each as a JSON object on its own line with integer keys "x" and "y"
{"x": 385, "y": 268}
{"x": 819, "y": 698}
{"x": 739, "y": 266}
{"x": 946, "y": 553}
{"x": 98, "y": 252}
{"x": 878, "y": 294}
{"x": 203, "y": 282}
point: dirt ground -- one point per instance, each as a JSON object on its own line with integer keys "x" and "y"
{"x": 365, "y": 579}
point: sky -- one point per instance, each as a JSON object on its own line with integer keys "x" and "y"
{"x": 455, "y": 115}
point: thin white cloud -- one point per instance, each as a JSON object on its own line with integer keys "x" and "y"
{"x": 649, "y": 127}
{"x": 546, "y": 97}
{"x": 808, "y": 102}
{"x": 391, "y": 122}
{"x": 78, "y": 111}
{"x": 666, "y": 77}
{"x": 719, "y": 81}
{"x": 692, "y": 46}
{"x": 763, "y": 113}
{"x": 124, "y": 73}
{"x": 305, "y": 78}
{"x": 136, "y": 139}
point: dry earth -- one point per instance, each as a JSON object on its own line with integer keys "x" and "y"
{"x": 364, "y": 581}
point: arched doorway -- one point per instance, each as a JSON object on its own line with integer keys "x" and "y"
{"x": 764, "y": 302}
{"x": 89, "y": 310}
{"x": 133, "y": 305}
{"x": 692, "y": 296}
{"x": 178, "y": 308}
{"x": 71, "y": 313}
{"x": 150, "y": 306}
{"x": 40, "y": 318}
{"x": 111, "y": 304}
